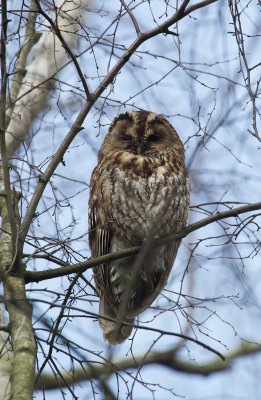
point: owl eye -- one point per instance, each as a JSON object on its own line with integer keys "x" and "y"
{"x": 155, "y": 137}
{"x": 125, "y": 136}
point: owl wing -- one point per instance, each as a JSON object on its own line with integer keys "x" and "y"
{"x": 100, "y": 235}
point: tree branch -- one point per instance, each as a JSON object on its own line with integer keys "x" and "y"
{"x": 81, "y": 267}
{"x": 199, "y": 5}
{"x": 131, "y": 15}
{"x": 167, "y": 359}
{"x": 20, "y": 317}
{"x": 29, "y": 42}
{"x": 4, "y": 172}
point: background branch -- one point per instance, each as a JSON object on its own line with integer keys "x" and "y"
{"x": 37, "y": 82}
{"x": 166, "y": 359}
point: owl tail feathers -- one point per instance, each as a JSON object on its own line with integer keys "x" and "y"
{"x": 115, "y": 332}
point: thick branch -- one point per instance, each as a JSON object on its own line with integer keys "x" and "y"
{"x": 29, "y": 41}
{"x": 4, "y": 159}
{"x": 20, "y": 318}
{"x": 81, "y": 267}
{"x": 167, "y": 359}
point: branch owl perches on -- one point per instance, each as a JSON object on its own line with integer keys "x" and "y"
{"x": 139, "y": 190}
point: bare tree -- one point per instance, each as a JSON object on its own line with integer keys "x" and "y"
{"x": 67, "y": 68}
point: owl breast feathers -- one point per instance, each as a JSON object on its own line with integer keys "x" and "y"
{"x": 139, "y": 192}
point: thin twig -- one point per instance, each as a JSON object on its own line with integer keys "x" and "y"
{"x": 135, "y": 22}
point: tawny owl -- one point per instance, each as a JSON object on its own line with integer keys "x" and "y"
{"x": 139, "y": 192}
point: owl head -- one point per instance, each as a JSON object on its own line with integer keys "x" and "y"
{"x": 141, "y": 133}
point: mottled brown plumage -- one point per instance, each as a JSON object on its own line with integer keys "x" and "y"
{"x": 139, "y": 191}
